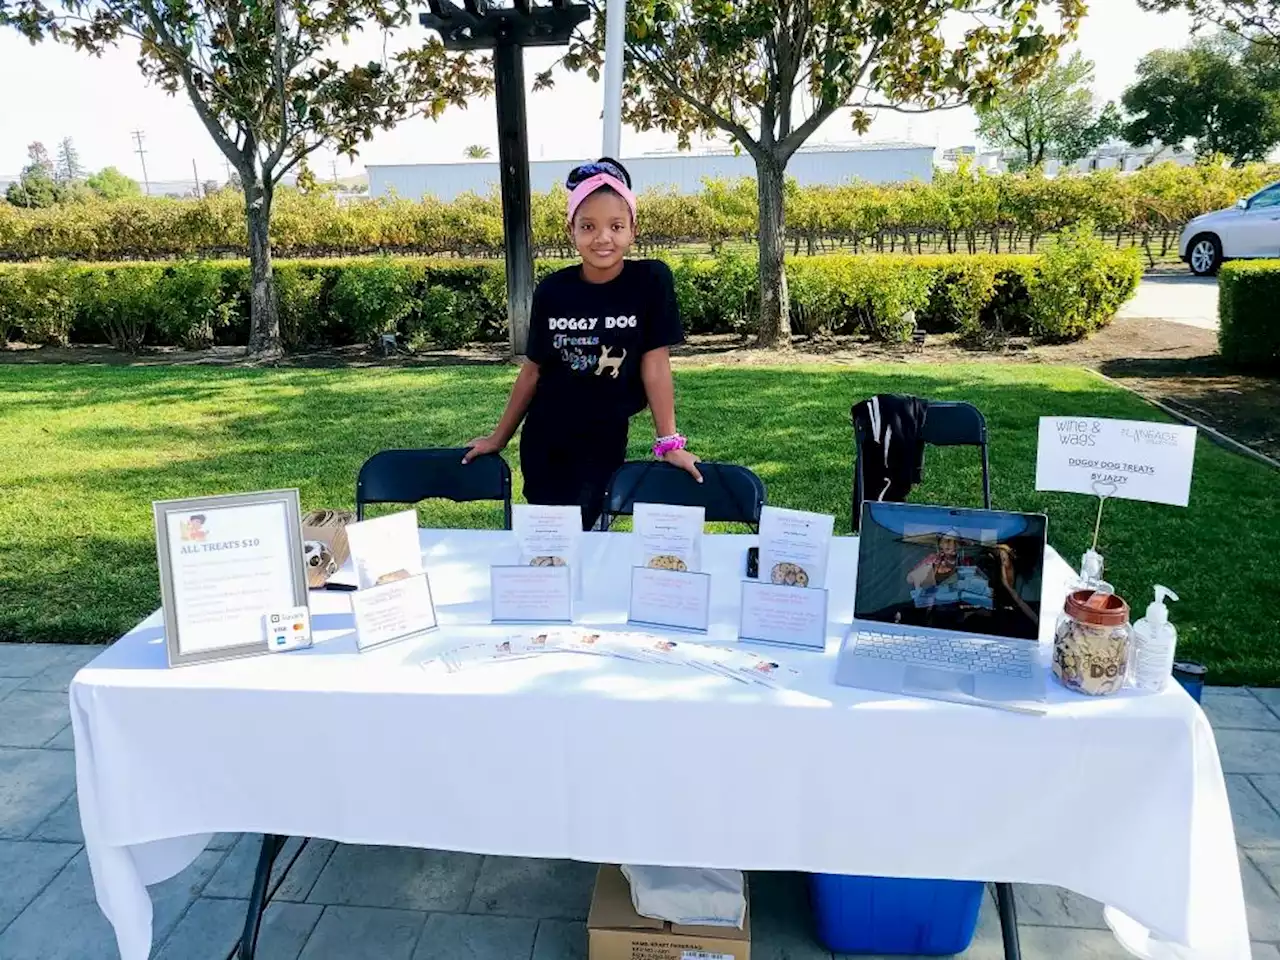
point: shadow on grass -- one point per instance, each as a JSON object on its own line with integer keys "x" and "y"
{"x": 1210, "y": 365}
{"x": 86, "y": 570}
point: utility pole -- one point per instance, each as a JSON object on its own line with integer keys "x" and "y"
{"x": 142, "y": 155}
{"x": 334, "y": 164}
{"x": 195, "y": 173}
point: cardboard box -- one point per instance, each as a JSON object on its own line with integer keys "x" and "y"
{"x": 616, "y": 932}
{"x": 330, "y": 528}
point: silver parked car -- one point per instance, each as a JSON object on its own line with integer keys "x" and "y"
{"x": 1249, "y": 230}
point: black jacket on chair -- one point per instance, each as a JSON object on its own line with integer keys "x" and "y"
{"x": 892, "y": 452}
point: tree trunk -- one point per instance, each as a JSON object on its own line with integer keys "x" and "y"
{"x": 775, "y": 315}
{"x": 264, "y": 318}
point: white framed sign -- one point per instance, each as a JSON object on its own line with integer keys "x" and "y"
{"x": 1129, "y": 459}
{"x": 225, "y": 562}
{"x": 670, "y": 598}
{"x": 542, "y": 594}
{"x": 776, "y": 613}
{"x": 393, "y": 610}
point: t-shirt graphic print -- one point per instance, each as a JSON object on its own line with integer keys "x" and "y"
{"x": 588, "y": 338}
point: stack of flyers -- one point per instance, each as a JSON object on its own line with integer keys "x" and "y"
{"x": 481, "y": 652}
{"x": 742, "y": 666}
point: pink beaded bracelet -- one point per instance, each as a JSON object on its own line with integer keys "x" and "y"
{"x": 665, "y": 445}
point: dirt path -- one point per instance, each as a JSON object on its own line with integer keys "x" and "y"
{"x": 1174, "y": 363}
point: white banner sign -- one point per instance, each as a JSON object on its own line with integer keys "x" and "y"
{"x": 1130, "y": 459}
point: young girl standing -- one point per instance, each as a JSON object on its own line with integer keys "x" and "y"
{"x": 599, "y": 352}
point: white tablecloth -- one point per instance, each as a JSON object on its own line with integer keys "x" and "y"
{"x": 593, "y": 759}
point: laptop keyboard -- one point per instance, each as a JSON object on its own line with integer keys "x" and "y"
{"x": 952, "y": 653}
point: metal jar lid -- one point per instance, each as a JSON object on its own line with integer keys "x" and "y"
{"x": 1097, "y": 609}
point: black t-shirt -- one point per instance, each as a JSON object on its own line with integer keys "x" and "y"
{"x": 587, "y": 340}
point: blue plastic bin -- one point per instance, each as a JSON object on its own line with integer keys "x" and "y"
{"x": 879, "y": 915}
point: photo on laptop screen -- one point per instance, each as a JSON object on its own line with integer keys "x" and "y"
{"x": 973, "y": 571}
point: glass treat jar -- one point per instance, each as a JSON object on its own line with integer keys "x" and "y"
{"x": 1091, "y": 643}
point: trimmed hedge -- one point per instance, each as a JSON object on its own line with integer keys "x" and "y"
{"x": 1249, "y": 314}
{"x": 1067, "y": 293}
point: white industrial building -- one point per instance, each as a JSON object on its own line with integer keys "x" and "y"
{"x": 684, "y": 172}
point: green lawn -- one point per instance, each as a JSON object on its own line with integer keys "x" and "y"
{"x": 85, "y": 449}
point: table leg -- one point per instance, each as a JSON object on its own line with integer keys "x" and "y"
{"x": 1008, "y": 911}
{"x": 271, "y": 844}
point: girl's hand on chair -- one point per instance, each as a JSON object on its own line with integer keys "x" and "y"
{"x": 685, "y": 461}
{"x": 481, "y": 446}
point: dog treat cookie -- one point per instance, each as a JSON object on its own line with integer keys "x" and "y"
{"x": 666, "y": 561}
{"x": 789, "y": 574}
{"x": 547, "y": 562}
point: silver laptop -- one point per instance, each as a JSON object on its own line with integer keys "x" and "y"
{"x": 948, "y": 605}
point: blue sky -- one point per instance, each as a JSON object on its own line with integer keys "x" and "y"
{"x": 51, "y": 92}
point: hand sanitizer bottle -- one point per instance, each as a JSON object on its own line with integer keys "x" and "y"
{"x": 1154, "y": 641}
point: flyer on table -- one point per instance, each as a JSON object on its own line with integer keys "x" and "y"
{"x": 230, "y": 565}
{"x": 794, "y": 547}
{"x": 667, "y": 537}
{"x": 1129, "y": 459}
{"x": 547, "y": 536}
{"x": 385, "y": 549}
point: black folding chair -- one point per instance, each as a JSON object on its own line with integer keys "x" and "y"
{"x": 729, "y": 493}
{"x": 409, "y": 476}
{"x": 947, "y": 424}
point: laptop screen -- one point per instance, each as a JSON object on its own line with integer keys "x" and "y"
{"x": 972, "y": 571}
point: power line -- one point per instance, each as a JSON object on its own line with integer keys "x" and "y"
{"x": 142, "y": 155}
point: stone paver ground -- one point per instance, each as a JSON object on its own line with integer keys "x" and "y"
{"x": 340, "y": 902}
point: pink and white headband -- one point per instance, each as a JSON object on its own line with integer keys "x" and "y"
{"x": 594, "y": 183}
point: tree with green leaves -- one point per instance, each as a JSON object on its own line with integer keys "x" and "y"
{"x": 477, "y": 151}
{"x": 1258, "y": 21}
{"x": 69, "y": 169}
{"x": 769, "y": 73}
{"x": 262, "y": 77}
{"x": 37, "y": 186}
{"x": 1053, "y": 116}
{"x": 110, "y": 184}
{"x": 1218, "y": 92}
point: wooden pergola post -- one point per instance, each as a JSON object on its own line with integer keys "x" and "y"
{"x": 507, "y": 31}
